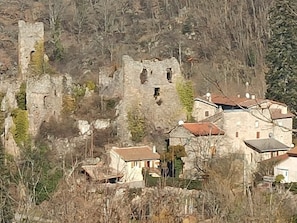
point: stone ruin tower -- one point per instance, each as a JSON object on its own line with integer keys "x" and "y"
{"x": 29, "y": 35}
{"x": 44, "y": 92}
{"x": 150, "y": 86}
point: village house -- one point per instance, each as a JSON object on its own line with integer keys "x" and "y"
{"x": 130, "y": 161}
{"x": 257, "y": 128}
{"x": 286, "y": 166}
{"x": 201, "y": 141}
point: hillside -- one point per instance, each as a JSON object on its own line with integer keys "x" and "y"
{"x": 220, "y": 44}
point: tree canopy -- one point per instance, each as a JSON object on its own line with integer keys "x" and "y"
{"x": 281, "y": 58}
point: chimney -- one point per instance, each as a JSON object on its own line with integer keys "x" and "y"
{"x": 284, "y": 110}
{"x": 154, "y": 149}
{"x": 208, "y": 96}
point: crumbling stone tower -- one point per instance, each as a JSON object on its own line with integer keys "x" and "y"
{"x": 30, "y": 35}
{"x": 150, "y": 87}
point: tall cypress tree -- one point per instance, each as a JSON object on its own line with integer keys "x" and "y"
{"x": 281, "y": 79}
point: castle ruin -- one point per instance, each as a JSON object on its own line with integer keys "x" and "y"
{"x": 150, "y": 86}
{"x": 29, "y": 35}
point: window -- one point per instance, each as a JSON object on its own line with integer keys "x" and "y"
{"x": 143, "y": 76}
{"x": 236, "y": 134}
{"x": 206, "y": 113}
{"x": 169, "y": 75}
{"x": 258, "y": 135}
{"x": 157, "y": 92}
{"x": 256, "y": 124}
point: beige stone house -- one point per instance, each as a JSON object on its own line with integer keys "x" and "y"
{"x": 203, "y": 108}
{"x": 202, "y": 141}
{"x": 257, "y": 128}
{"x": 130, "y": 161}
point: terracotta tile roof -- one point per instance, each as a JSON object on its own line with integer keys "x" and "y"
{"x": 276, "y": 159}
{"x": 136, "y": 153}
{"x": 293, "y": 152}
{"x": 280, "y": 158}
{"x": 277, "y": 114}
{"x": 203, "y": 129}
{"x": 236, "y": 101}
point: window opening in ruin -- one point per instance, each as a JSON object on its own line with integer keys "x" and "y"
{"x": 44, "y": 101}
{"x": 157, "y": 92}
{"x": 206, "y": 113}
{"x": 143, "y": 76}
{"x": 236, "y": 134}
{"x": 169, "y": 75}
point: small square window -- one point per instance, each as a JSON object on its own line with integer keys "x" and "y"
{"x": 206, "y": 113}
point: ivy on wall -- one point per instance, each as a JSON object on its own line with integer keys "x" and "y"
{"x": 186, "y": 95}
{"x": 21, "y": 126}
{"x": 21, "y": 97}
{"x": 37, "y": 59}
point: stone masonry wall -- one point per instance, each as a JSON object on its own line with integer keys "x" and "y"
{"x": 44, "y": 100}
{"x": 150, "y": 86}
{"x": 29, "y": 34}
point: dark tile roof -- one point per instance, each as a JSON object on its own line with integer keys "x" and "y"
{"x": 203, "y": 129}
{"x": 266, "y": 145}
{"x": 137, "y": 153}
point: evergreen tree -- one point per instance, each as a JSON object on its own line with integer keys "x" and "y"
{"x": 281, "y": 79}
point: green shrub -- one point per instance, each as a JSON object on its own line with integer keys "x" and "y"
{"x": 40, "y": 172}
{"x": 90, "y": 85}
{"x": 21, "y": 126}
{"x": 136, "y": 124}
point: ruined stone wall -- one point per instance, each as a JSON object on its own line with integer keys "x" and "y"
{"x": 29, "y": 34}
{"x": 44, "y": 100}
{"x": 150, "y": 86}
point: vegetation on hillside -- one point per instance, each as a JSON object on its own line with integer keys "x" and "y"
{"x": 282, "y": 54}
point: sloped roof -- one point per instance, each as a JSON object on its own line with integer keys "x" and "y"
{"x": 236, "y": 101}
{"x": 277, "y": 114}
{"x": 280, "y": 158}
{"x": 292, "y": 152}
{"x": 100, "y": 172}
{"x": 203, "y": 129}
{"x": 136, "y": 153}
{"x": 205, "y": 101}
{"x": 266, "y": 145}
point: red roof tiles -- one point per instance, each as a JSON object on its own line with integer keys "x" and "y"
{"x": 137, "y": 153}
{"x": 203, "y": 129}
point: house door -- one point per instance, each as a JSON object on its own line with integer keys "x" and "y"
{"x": 147, "y": 163}
{"x": 285, "y": 173}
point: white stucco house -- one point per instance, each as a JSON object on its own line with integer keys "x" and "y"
{"x": 286, "y": 166}
{"x": 130, "y": 161}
